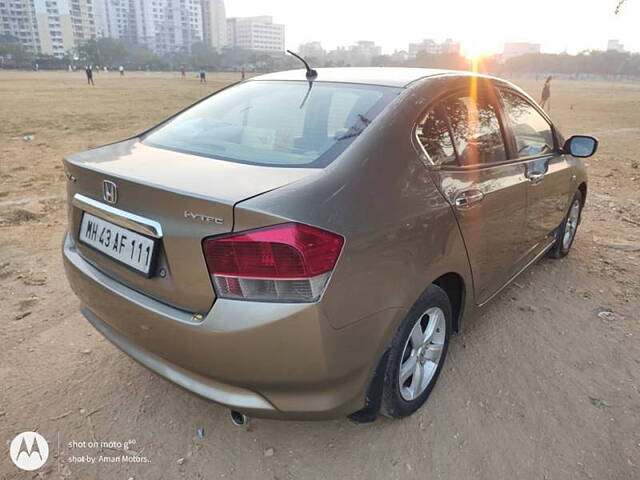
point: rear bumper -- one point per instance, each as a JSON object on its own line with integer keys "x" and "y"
{"x": 264, "y": 359}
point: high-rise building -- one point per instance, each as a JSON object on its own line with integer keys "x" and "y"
{"x": 82, "y": 21}
{"x": 168, "y": 26}
{"x": 18, "y": 20}
{"x": 163, "y": 26}
{"x": 255, "y": 33}
{"x": 116, "y": 19}
{"x": 49, "y": 27}
{"x": 54, "y": 27}
{"x": 214, "y": 23}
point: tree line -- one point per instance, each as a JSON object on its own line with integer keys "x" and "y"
{"x": 592, "y": 62}
{"x": 112, "y": 53}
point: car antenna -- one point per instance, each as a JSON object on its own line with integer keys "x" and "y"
{"x": 311, "y": 73}
{"x": 311, "y": 76}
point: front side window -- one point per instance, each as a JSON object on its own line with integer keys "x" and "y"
{"x": 475, "y": 129}
{"x": 532, "y": 132}
{"x": 278, "y": 123}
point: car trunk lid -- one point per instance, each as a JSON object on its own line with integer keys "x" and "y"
{"x": 188, "y": 196}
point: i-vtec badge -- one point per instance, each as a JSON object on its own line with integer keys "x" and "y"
{"x": 203, "y": 218}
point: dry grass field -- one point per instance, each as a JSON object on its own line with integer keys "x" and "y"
{"x": 540, "y": 386}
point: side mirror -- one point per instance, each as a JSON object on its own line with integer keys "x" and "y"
{"x": 581, "y": 146}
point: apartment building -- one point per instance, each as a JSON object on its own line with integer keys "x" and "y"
{"x": 214, "y": 23}
{"x": 117, "y": 19}
{"x": 358, "y": 55}
{"x": 18, "y": 20}
{"x": 55, "y": 27}
{"x": 615, "y": 46}
{"x": 163, "y": 26}
{"x": 255, "y": 33}
{"x": 48, "y": 27}
{"x": 515, "y": 49}
{"x": 430, "y": 46}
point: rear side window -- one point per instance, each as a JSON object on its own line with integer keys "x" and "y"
{"x": 463, "y": 130}
{"x": 434, "y": 135}
{"x": 276, "y": 123}
{"x": 532, "y": 132}
{"x": 475, "y": 130}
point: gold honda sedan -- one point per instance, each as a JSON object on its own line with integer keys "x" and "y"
{"x": 303, "y": 247}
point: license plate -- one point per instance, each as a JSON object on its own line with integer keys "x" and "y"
{"x": 130, "y": 248}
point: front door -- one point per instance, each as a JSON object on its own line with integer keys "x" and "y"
{"x": 463, "y": 137}
{"x": 547, "y": 170}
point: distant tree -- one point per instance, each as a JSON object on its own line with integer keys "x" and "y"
{"x": 104, "y": 51}
{"x": 590, "y": 62}
{"x": 14, "y": 54}
{"x": 204, "y": 56}
{"x": 619, "y": 5}
{"x": 142, "y": 58}
{"x": 236, "y": 57}
{"x": 111, "y": 53}
{"x": 381, "y": 61}
{"x": 6, "y": 38}
{"x": 447, "y": 61}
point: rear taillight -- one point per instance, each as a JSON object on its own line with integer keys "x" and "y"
{"x": 289, "y": 262}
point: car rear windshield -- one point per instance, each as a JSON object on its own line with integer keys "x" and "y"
{"x": 276, "y": 123}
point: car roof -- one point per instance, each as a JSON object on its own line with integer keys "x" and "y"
{"x": 387, "y": 76}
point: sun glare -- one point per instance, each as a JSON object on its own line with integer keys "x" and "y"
{"x": 475, "y": 53}
{"x": 480, "y": 47}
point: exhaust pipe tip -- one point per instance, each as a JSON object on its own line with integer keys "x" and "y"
{"x": 238, "y": 419}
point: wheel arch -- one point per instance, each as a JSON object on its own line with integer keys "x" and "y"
{"x": 583, "y": 189}
{"x": 454, "y": 286}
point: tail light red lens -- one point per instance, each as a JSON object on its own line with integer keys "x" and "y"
{"x": 285, "y": 262}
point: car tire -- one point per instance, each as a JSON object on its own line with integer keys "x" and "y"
{"x": 566, "y": 232}
{"x": 417, "y": 354}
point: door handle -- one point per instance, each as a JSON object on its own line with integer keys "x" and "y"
{"x": 468, "y": 198}
{"x": 535, "y": 178}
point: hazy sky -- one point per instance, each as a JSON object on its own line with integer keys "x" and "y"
{"x": 479, "y": 25}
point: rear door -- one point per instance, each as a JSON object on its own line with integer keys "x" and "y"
{"x": 548, "y": 171}
{"x": 463, "y": 135}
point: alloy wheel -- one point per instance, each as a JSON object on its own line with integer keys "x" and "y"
{"x": 422, "y": 353}
{"x": 571, "y": 225}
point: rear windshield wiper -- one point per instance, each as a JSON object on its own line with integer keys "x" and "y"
{"x": 355, "y": 131}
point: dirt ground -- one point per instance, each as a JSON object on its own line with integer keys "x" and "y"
{"x": 543, "y": 385}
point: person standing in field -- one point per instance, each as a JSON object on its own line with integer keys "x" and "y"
{"x": 545, "y": 100}
{"x": 242, "y": 74}
{"x": 121, "y": 70}
{"x": 203, "y": 76}
{"x": 89, "y": 73}
{"x": 183, "y": 72}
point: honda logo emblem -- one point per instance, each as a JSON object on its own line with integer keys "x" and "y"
{"x": 109, "y": 192}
